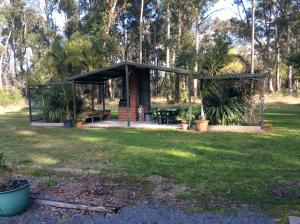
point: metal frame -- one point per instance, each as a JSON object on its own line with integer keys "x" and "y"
{"x": 242, "y": 76}
{"x": 117, "y": 70}
{"x": 127, "y": 67}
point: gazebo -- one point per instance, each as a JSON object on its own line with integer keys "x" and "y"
{"x": 136, "y": 94}
{"x": 135, "y": 97}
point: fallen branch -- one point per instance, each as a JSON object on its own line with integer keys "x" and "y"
{"x": 74, "y": 206}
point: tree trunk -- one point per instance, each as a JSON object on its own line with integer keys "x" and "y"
{"x": 110, "y": 90}
{"x": 278, "y": 81}
{"x": 195, "y": 82}
{"x": 290, "y": 69}
{"x": 3, "y": 55}
{"x": 167, "y": 78}
{"x": 141, "y": 32}
{"x": 177, "y": 78}
{"x": 168, "y": 37}
{"x": 253, "y": 36}
{"x": 271, "y": 88}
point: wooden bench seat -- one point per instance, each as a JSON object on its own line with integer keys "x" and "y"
{"x": 92, "y": 115}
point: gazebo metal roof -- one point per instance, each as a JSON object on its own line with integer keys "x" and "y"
{"x": 118, "y": 70}
{"x": 235, "y": 76}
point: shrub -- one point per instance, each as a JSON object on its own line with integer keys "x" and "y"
{"x": 10, "y": 98}
{"x": 55, "y": 106}
{"x": 5, "y": 172}
{"x": 225, "y": 107}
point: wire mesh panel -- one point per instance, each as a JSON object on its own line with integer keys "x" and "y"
{"x": 234, "y": 100}
{"x": 50, "y": 103}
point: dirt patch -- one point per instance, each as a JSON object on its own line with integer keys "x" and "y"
{"x": 287, "y": 190}
{"x": 94, "y": 189}
{"x": 165, "y": 191}
{"x": 90, "y": 190}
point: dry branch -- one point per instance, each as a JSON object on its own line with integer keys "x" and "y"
{"x": 74, "y": 206}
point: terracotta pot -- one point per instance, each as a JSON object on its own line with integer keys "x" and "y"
{"x": 79, "y": 124}
{"x": 202, "y": 125}
{"x": 106, "y": 115}
{"x": 184, "y": 126}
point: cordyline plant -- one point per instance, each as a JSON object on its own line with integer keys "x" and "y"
{"x": 210, "y": 88}
{"x": 5, "y": 173}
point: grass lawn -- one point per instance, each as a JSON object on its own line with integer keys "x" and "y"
{"x": 260, "y": 169}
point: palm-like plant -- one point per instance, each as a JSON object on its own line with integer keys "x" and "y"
{"x": 216, "y": 104}
{"x": 224, "y": 107}
{"x": 220, "y": 60}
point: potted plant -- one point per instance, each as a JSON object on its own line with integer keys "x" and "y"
{"x": 66, "y": 100}
{"x": 202, "y": 123}
{"x": 68, "y": 121}
{"x": 14, "y": 194}
{"x": 80, "y": 120}
{"x": 184, "y": 120}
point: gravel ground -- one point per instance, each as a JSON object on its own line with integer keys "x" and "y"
{"x": 145, "y": 213}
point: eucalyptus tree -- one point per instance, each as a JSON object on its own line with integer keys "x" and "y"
{"x": 274, "y": 36}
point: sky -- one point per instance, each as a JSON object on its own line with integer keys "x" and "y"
{"x": 225, "y": 10}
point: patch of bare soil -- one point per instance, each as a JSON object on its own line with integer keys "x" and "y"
{"x": 90, "y": 190}
{"x": 117, "y": 192}
{"x": 287, "y": 190}
{"x": 164, "y": 191}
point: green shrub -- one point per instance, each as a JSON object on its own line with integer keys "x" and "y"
{"x": 225, "y": 107}
{"x": 55, "y": 105}
{"x": 10, "y": 97}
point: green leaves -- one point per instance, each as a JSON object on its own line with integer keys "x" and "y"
{"x": 224, "y": 107}
{"x": 220, "y": 59}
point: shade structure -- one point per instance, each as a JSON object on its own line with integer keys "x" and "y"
{"x": 119, "y": 70}
{"x": 136, "y": 80}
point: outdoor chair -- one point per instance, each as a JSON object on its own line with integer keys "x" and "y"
{"x": 164, "y": 117}
{"x": 155, "y": 115}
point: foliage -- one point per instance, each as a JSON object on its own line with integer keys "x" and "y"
{"x": 5, "y": 172}
{"x": 219, "y": 59}
{"x": 184, "y": 116}
{"x": 294, "y": 60}
{"x": 10, "y": 98}
{"x": 80, "y": 117}
{"x": 225, "y": 107}
{"x": 59, "y": 104}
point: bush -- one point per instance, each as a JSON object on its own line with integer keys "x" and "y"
{"x": 225, "y": 107}
{"x": 10, "y": 98}
{"x": 55, "y": 105}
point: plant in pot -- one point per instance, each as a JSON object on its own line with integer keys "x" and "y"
{"x": 66, "y": 100}
{"x": 184, "y": 120}
{"x": 80, "y": 120}
{"x": 14, "y": 194}
{"x": 68, "y": 121}
{"x": 202, "y": 123}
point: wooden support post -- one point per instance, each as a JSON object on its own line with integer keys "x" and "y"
{"x": 262, "y": 103}
{"x": 190, "y": 100}
{"x": 93, "y": 97}
{"x": 29, "y": 103}
{"x": 127, "y": 94}
{"x": 74, "y": 101}
{"x": 103, "y": 97}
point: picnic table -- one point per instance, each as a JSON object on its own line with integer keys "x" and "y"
{"x": 165, "y": 115}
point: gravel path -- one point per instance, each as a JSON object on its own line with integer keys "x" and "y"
{"x": 142, "y": 214}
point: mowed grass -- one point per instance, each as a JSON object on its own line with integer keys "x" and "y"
{"x": 221, "y": 169}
